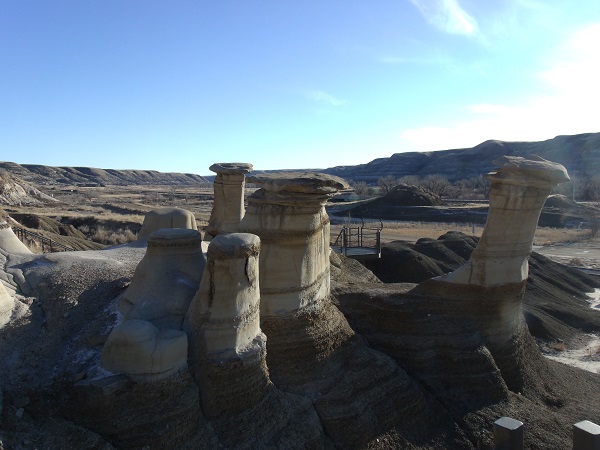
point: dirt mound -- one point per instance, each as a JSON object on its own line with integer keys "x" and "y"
{"x": 560, "y": 201}
{"x": 15, "y": 191}
{"x": 406, "y": 195}
{"x": 393, "y": 204}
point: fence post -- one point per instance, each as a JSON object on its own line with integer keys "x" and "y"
{"x": 508, "y": 434}
{"x": 345, "y": 241}
{"x": 586, "y": 436}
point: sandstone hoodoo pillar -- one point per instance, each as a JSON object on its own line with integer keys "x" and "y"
{"x": 228, "y": 207}
{"x": 487, "y": 291}
{"x": 149, "y": 344}
{"x": 167, "y": 218}
{"x": 166, "y": 279}
{"x": 227, "y": 348}
{"x": 289, "y": 216}
{"x": 518, "y": 191}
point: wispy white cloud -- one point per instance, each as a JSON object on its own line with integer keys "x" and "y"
{"x": 447, "y": 16}
{"x": 568, "y": 106}
{"x": 324, "y": 98}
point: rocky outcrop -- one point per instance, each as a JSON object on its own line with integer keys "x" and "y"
{"x": 517, "y": 193}
{"x": 228, "y": 207}
{"x": 166, "y": 279}
{"x": 227, "y": 348}
{"x": 288, "y": 215}
{"x": 167, "y": 218}
{"x": 14, "y": 191}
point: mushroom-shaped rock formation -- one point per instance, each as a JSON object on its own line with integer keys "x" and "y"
{"x": 167, "y": 218}
{"x": 227, "y": 347}
{"x": 518, "y": 191}
{"x": 311, "y": 348}
{"x": 288, "y": 214}
{"x": 166, "y": 279}
{"x": 228, "y": 206}
{"x": 9, "y": 242}
{"x": 143, "y": 352}
{"x": 486, "y": 292}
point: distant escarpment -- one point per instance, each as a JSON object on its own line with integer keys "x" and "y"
{"x": 43, "y": 175}
{"x": 580, "y": 154}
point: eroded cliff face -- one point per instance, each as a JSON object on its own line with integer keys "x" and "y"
{"x": 365, "y": 365}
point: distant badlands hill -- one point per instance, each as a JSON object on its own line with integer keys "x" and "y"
{"x": 580, "y": 154}
{"x": 41, "y": 175}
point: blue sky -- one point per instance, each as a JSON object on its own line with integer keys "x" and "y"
{"x": 179, "y": 85}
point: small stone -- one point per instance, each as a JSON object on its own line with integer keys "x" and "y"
{"x": 20, "y": 413}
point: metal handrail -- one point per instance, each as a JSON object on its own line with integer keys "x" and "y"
{"x": 359, "y": 237}
{"x": 22, "y": 233}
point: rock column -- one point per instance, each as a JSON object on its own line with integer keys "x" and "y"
{"x": 228, "y": 207}
{"x": 227, "y": 353}
{"x": 289, "y": 216}
{"x": 517, "y": 194}
{"x": 149, "y": 344}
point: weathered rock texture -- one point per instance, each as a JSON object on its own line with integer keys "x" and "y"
{"x": 149, "y": 344}
{"x": 518, "y": 192}
{"x": 227, "y": 347}
{"x": 288, "y": 215}
{"x": 9, "y": 242}
{"x": 143, "y": 352}
{"x": 228, "y": 208}
{"x": 166, "y": 279}
{"x": 167, "y": 218}
{"x": 311, "y": 349}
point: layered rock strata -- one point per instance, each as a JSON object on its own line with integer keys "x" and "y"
{"x": 166, "y": 279}
{"x": 518, "y": 191}
{"x": 149, "y": 344}
{"x": 490, "y": 286}
{"x": 167, "y": 218}
{"x": 227, "y": 348}
{"x": 288, "y": 215}
{"x": 311, "y": 348}
{"x": 228, "y": 207}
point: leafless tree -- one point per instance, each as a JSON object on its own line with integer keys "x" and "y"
{"x": 436, "y": 184}
{"x": 411, "y": 180}
{"x": 387, "y": 183}
{"x": 361, "y": 188}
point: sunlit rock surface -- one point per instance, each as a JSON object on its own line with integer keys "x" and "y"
{"x": 518, "y": 191}
{"x": 289, "y": 216}
{"x": 228, "y": 206}
{"x": 227, "y": 347}
{"x": 167, "y": 218}
{"x": 166, "y": 279}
